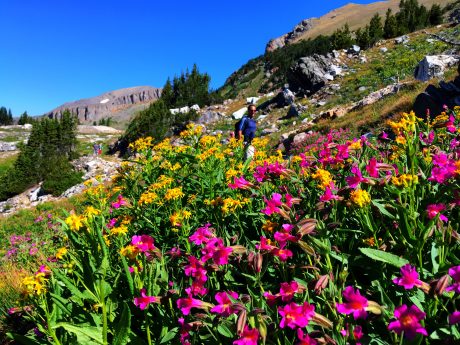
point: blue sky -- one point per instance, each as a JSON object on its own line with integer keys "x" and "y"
{"x": 52, "y": 52}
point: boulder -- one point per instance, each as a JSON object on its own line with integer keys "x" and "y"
{"x": 354, "y": 50}
{"x": 434, "y": 66}
{"x": 402, "y": 39}
{"x": 7, "y": 146}
{"x": 239, "y": 113}
{"x": 252, "y": 100}
{"x": 209, "y": 116}
{"x": 297, "y": 31}
{"x": 383, "y": 50}
{"x": 309, "y": 74}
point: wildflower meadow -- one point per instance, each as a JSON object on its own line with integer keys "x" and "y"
{"x": 350, "y": 241}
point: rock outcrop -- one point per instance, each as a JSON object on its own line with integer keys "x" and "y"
{"x": 93, "y": 109}
{"x": 434, "y": 66}
{"x": 309, "y": 74}
{"x": 298, "y": 30}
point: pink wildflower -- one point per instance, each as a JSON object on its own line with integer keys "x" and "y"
{"x": 186, "y": 304}
{"x": 454, "y": 272}
{"x": 143, "y": 301}
{"x": 371, "y": 168}
{"x": 287, "y": 291}
{"x": 112, "y": 222}
{"x": 282, "y": 254}
{"x": 450, "y": 125}
{"x": 408, "y": 321}
{"x": 444, "y": 168}
{"x": 224, "y": 307}
{"x": 273, "y": 204}
{"x": 264, "y": 244}
{"x": 248, "y": 337}
{"x": 239, "y": 183}
{"x": 143, "y": 242}
{"x": 197, "y": 288}
{"x": 304, "y": 339}
{"x": 409, "y": 277}
{"x": 434, "y": 209}
{"x": 276, "y": 169}
{"x": 356, "y": 304}
{"x": 271, "y": 299}
{"x": 216, "y": 250}
{"x": 328, "y": 195}
{"x": 294, "y": 315}
{"x": 201, "y": 235}
{"x": 120, "y": 202}
{"x": 260, "y": 172}
{"x": 356, "y": 179}
{"x": 195, "y": 269}
{"x": 454, "y": 318}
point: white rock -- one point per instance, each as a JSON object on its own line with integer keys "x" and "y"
{"x": 239, "y": 113}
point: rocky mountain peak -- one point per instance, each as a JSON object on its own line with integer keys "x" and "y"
{"x": 93, "y": 109}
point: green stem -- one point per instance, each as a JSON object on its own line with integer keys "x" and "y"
{"x": 48, "y": 323}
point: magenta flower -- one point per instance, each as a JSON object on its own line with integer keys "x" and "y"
{"x": 195, "y": 269}
{"x": 328, "y": 195}
{"x": 239, "y": 183}
{"x": 186, "y": 304}
{"x": 454, "y": 272}
{"x": 202, "y": 235}
{"x": 371, "y": 168}
{"x": 216, "y": 250}
{"x": 224, "y": 307}
{"x": 294, "y": 315}
{"x": 271, "y": 299}
{"x": 120, "y": 202}
{"x": 356, "y": 179}
{"x": 444, "y": 168}
{"x": 112, "y": 222}
{"x": 408, "y": 321}
{"x": 454, "y": 318}
{"x": 282, "y": 254}
{"x": 272, "y": 204}
{"x": 304, "y": 339}
{"x": 144, "y": 301}
{"x": 264, "y": 244}
{"x": 409, "y": 277}
{"x": 143, "y": 242}
{"x": 283, "y": 237}
{"x": 276, "y": 169}
{"x": 287, "y": 291}
{"x": 260, "y": 172}
{"x": 450, "y": 125}
{"x": 434, "y": 209}
{"x": 355, "y": 303}
{"x": 248, "y": 337}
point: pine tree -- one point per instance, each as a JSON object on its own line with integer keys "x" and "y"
{"x": 167, "y": 94}
{"x": 390, "y": 28}
{"x": 10, "y": 117}
{"x": 362, "y": 37}
{"x": 375, "y": 29}
{"x": 435, "y": 15}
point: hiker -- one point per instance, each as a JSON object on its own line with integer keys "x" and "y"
{"x": 246, "y": 128}
{"x": 433, "y": 99}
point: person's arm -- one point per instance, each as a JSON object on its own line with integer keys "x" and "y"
{"x": 240, "y": 130}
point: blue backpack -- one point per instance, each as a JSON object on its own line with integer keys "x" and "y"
{"x": 238, "y": 123}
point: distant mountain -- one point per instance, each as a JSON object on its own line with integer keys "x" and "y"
{"x": 118, "y": 105}
{"x": 355, "y": 15}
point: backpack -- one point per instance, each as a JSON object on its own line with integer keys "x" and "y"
{"x": 237, "y": 125}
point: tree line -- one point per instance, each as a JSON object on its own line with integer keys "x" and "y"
{"x": 157, "y": 121}
{"x": 45, "y": 158}
{"x": 6, "y": 117}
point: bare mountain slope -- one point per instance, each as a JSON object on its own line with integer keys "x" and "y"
{"x": 116, "y": 104}
{"x": 354, "y": 14}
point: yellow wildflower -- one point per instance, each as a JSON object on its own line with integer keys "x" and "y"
{"x": 119, "y": 230}
{"x": 269, "y": 226}
{"x": 74, "y": 222}
{"x": 404, "y": 180}
{"x": 360, "y": 197}
{"x": 129, "y": 251}
{"x": 91, "y": 211}
{"x": 356, "y": 145}
{"x": 324, "y": 178}
{"x": 174, "y": 193}
{"x": 60, "y": 253}
{"x": 147, "y": 198}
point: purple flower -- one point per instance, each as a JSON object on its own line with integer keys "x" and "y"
{"x": 454, "y": 272}
{"x": 409, "y": 277}
{"x": 408, "y": 321}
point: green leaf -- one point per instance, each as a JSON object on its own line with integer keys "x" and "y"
{"x": 129, "y": 278}
{"x": 61, "y": 303}
{"x": 84, "y": 331}
{"x": 385, "y": 257}
{"x": 20, "y": 339}
{"x": 383, "y": 210}
{"x": 170, "y": 335}
{"x": 77, "y": 295}
{"x": 123, "y": 327}
{"x": 222, "y": 329}
{"x": 434, "y": 255}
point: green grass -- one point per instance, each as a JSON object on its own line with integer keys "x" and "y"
{"x": 7, "y": 163}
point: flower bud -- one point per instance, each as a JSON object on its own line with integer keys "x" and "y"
{"x": 322, "y": 321}
{"x": 321, "y": 284}
{"x": 306, "y": 226}
{"x": 241, "y": 322}
{"x": 258, "y": 260}
{"x": 441, "y": 284}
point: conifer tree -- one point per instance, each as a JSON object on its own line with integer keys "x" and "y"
{"x": 375, "y": 29}
{"x": 435, "y": 15}
{"x": 390, "y": 28}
